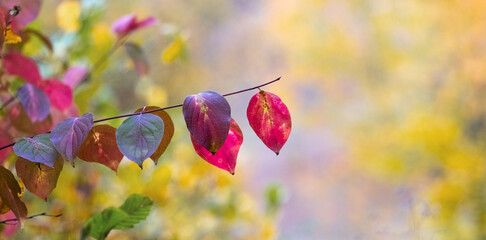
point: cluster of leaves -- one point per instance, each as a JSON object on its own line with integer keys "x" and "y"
{"x": 216, "y": 137}
{"x": 135, "y": 209}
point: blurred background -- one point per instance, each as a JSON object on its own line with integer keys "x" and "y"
{"x": 388, "y": 117}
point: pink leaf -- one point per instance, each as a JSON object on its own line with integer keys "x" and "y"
{"x": 270, "y": 119}
{"x": 35, "y": 102}
{"x": 9, "y": 229}
{"x": 29, "y": 10}
{"x": 74, "y": 75}
{"x": 22, "y": 66}
{"x": 60, "y": 94}
{"x": 208, "y": 117}
{"x": 127, "y": 24}
{"x": 226, "y": 156}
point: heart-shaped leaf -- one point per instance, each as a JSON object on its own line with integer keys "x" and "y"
{"x": 20, "y": 120}
{"x": 37, "y": 149}
{"x": 208, "y": 117}
{"x": 100, "y": 146}
{"x": 168, "y": 132}
{"x": 38, "y": 178}
{"x": 270, "y": 119}
{"x": 226, "y": 156}
{"x": 10, "y": 192}
{"x": 139, "y": 136}
{"x": 68, "y": 135}
{"x": 59, "y": 94}
{"x": 22, "y": 66}
{"x": 35, "y": 102}
{"x": 138, "y": 57}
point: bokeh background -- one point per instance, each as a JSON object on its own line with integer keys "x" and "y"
{"x": 387, "y": 103}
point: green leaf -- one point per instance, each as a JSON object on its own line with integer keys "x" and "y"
{"x": 137, "y": 207}
{"x": 99, "y": 225}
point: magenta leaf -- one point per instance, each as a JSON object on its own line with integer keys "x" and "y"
{"x": 34, "y": 101}
{"x": 37, "y": 149}
{"x": 22, "y": 66}
{"x": 270, "y": 119}
{"x": 69, "y": 135}
{"x": 139, "y": 136}
{"x": 127, "y": 24}
{"x": 225, "y": 157}
{"x": 208, "y": 117}
{"x": 138, "y": 57}
{"x": 28, "y": 13}
{"x": 74, "y": 75}
{"x": 59, "y": 94}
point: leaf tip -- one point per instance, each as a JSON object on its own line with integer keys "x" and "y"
{"x": 232, "y": 173}
{"x": 277, "y": 153}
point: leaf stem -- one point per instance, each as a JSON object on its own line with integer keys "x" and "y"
{"x": 166, "y": 108}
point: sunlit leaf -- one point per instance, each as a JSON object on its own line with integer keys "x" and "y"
{"x": 270, "y": 119}
{"x": 74, "y": 76}
{"x": 99, "y": 226}
{"x": 22, "y": 122}
{"x": 127, "y": 24}
{"x": 100, "y": 146}
{"x": 34, "y": 101}
{"x": 68, "y": 135}
{"x": 59, "y": 94}
{"x": 137, "y": 207}
{"x": 174, "y": 50}
{"x": 68, "y": 13}
{"x": 37, "y": 149}
{"x": 22, "y": 66}
{"x": 208, "y": 117}
{"x": 9, "y": 192}
{"x": 139, "y": 136}
{"x": 168, "y": 132}
{"x": 138, "y": 57}
{"x": 225, "y": 157}
{"x": 38, "y": 178}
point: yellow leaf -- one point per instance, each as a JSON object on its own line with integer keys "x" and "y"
{"x": 174, "y": 50}
{"x": 68, "y": 16}
{"x": 11, "y": 37}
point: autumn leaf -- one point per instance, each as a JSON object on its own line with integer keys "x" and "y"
{"x": 20, "y": 120}
{"x": 60, "y": 95}
{"x": 168, "y": 132}
{"x": 208, "y": 117}
{"x": 10, "y": 193}
{"x": 225, "y": 157}
{"x": 68, "y": 135}
{"x": 34, "y": 101}
{"x": 174, "y": 50}
{"x": 100, "y": 146}
{"x": 22, "y": 66}
{"x": 38, "y": 178}
{"x": 37, "y": 149}
{"x": 129, "y": 23}
{"x": 139, "y": 136}
{"x": 270, "y": 119}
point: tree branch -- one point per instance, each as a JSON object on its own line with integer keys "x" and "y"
{"x": 14, "y": 221}
{"x": 165, "y": 108}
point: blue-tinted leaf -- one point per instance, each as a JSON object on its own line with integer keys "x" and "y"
{"x": 37, "y": 149}
{"x": 208, "y": 117}
{"x": 68, "y": 135}
{"x": 139, "y": 136}
{"x": 35, "y": 102}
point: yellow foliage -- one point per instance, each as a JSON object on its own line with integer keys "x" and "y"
{"x": 174, "y": 50}
{"x": 68, "y": 13}
{"x": 11, "y": 37}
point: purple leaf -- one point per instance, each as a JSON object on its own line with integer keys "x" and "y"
{"x": 22, "y": 66}
{"x": 35, "y": 102}
{"x": 138, "y": 57}
{"x": 139, "y": 136}
{"x": 69, "y": 135}
{"x": 74, "y": 75}
{"x": 37, "y": 149}
{"x": 208, "y": 117}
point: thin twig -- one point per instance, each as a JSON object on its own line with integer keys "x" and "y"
{"x": 7, "y": 222}
{"x": 165, "y": 108}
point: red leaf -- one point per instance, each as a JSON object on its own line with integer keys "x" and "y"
{"x": 100, "y": 146}
{"x": 74, "y": 75}
{"x": 226, "y": 156}
{"x": 20, "y": 120}
{"x": 127, "y": 24}
{"x": 59, "y": 94}
{"x": 168, "y": 132}
{"x": 38, "y": 178}
{"x": 9, "y": 192}
{"x": 270, "y": 119}
{"x": 208, "y": 117}
{"x": 22, "y": 66}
